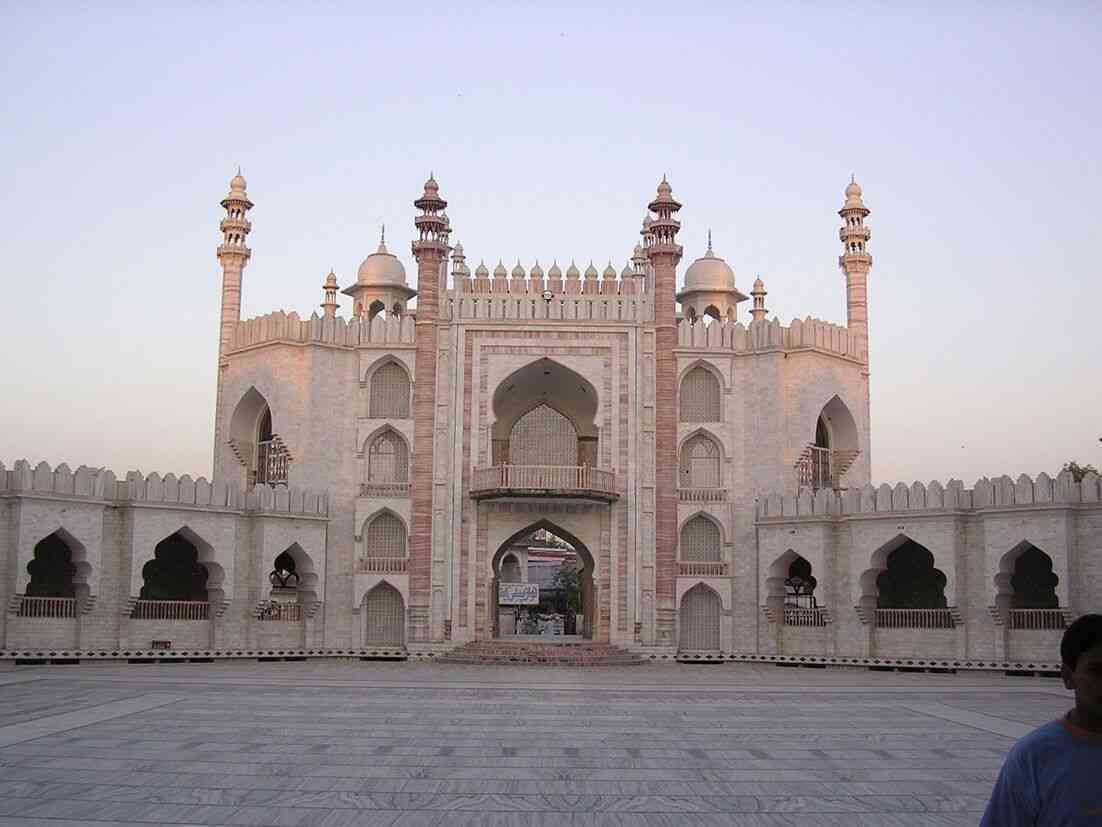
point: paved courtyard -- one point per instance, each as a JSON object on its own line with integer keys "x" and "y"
{"x": 351, "y": 743}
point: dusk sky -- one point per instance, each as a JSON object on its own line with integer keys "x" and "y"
{"x": 975, "y": 135}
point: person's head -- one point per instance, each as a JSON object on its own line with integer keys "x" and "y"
{"x": 1081, "y": 656}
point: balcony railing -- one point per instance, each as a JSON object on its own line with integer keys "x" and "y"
{"x": 272, "y": 460}
{"x": 803, "y": 616}
{"x": 384, "y": 489}
{"x": 47, "y": 607}
{"x": 914, "y": 619}
{"x": 708, "y": 569}
{"x": 275, "y": 610}
{"x": 171, "y": 610}
{"x": 1036, "y": 619}
{"x": 702, "y": 495}
{"x": 383, "y": 565}
{"x": 544, "y": 481}
{"x": 819, "y": 467}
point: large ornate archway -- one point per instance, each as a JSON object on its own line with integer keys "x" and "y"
{"x": 507, "y": 566}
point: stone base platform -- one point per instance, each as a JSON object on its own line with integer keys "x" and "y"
{"x": 504, "y": 652}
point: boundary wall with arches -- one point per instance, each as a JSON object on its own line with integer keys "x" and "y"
{"x": 974, "y": 538}
{"x": 112, "y": 528}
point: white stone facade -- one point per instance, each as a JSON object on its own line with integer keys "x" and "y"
{"x": 546, "y": 406}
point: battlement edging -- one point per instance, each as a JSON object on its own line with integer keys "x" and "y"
{"x": 1000, "y": 492}
{"x": 153, "y": 489}
{"x": 289, "y": 327}
{"x": 762, "y": 334}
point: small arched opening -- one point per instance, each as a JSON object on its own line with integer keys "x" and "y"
{"x": 389, "y": 391}
{"x": 385, "y": 542}
{"x": 375, "y": 308}
{"x": 387, "y": 466}
{"x": 181, "y": 580}
{"x": 384, "y": 614}
{"x": 698, "y": 620}
{"x": 834, "y": 449}
{"x": 711, "y": 311}
{"x": 255, "y": 442}
{"x": 790, "y": 591}
{"x": 905, "y": 587}
{"x": 293, "y": 586}
{"x": 58, "y": 577}
{"x": 700, "y": 463}
{"x": 701, "y": 540}
{"x": 1025, "y": 589}
{"x": 700, "y": 396}
{"x": 543, "y": 585}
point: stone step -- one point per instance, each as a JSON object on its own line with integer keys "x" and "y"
{"x": 548, "y": 654}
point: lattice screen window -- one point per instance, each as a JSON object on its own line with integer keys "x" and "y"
{"x": 700, "y": 463}
{"x": 388, "y": 459}
{"x": 389, "y": 392}
{"x": 385, "y": 617}
{"x": 700, "y": 541}
{"x": 699, "y": 620}
{"x": 386, "y": 537}
{"x": 543, "y": 436}
{"x": 700, "y": 396}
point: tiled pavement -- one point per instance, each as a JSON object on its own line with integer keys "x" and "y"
{"x": 351, "y": 743}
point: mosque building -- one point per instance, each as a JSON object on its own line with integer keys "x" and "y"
{"x": 707, "y": 467}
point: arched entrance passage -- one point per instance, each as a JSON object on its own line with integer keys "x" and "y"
{"x": 566, "y": 589}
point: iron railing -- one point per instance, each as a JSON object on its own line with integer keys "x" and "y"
{"x": 48, "y": 607}
{"x": 914, "y": 619}
{"x": 171, "y": 610}
{"x": 1036, "y": 619}
{"x": 702, "y": 495}
{"x": 698, "y": 569}
{"x": 384, "y": 489}
{"x": 275, "y": 610}
{"x": 383, "y": 565}
{"x": 271, "y": 463}
{"x": 803, "y": 616}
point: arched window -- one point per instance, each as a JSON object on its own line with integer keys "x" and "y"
{"x": 385, "y": 617}
{"x": 700, "y": 463}
{"x": 910, "y": 580}
{"x": 543, "y": 436}
{"x": 799, "y": 585}
{"x": 386, "y": 537}
{"x": 175, "y": 572}
{"x": 388, "y": 459}
{"x": 700, "y": 541}
{"x": 375, "y": 309}
{"x": 510, "y": 569}
{"x": 52, "y": 569}
{"x": 712, "y": 311}
{"x": 699, "y": 620}
{"x": 700, "y": 396}
{"x": 1033, "y": 581}
{"x": 283, "y": 576}
{"x": 389, "y": 392}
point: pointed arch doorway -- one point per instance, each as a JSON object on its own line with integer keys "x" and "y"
{"x": 561, "y": 565}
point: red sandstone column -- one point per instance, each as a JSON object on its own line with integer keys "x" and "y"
{"x": 664, "y": 253}
{"x": 430, "y": 249}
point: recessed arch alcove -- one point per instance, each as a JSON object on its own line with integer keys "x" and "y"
{"x": 545, "y": 414}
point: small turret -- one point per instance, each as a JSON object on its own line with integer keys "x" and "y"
{"x": 758, "y": 293}
{"x": 329, "y": 306}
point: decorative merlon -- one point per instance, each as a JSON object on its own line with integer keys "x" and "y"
{"x": 1001, "y": 492}
{"x": 101, "y": 484}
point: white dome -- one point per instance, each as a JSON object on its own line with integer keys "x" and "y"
{"x": 710, "y": 273}
{"x": 381, "y": 268}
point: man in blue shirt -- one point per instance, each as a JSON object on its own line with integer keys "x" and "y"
{"x": 1053, "y": 776}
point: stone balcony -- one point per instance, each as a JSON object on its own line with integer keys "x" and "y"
{"x": 574, "y": 481}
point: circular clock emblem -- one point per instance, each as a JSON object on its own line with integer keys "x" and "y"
{"x": 547, "y": 295}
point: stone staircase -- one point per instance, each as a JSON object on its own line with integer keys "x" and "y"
{"x": 506, "y": 652}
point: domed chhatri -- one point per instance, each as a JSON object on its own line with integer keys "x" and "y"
{"x": 380, "y": 283}
{"x": 710, "y": 288}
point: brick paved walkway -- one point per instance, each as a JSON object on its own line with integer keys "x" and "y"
{"x": 336, "y": 744}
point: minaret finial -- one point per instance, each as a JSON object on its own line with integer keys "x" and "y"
{"x": 709, "y": 253}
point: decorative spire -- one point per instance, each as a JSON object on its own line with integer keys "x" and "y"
{"x": 759, "y": 293}
{"x": 329, "y": 306}
{"x": 663, "y": 230}
{"x": 235, "y": 226}
{"x": 432, "y": 224}
{"x": 382, "y": 239}
{"x": 708, "y": 253}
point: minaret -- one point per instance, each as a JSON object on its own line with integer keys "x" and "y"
{"x": 233, "y": 255}
{"x": 431, "y": 250}
{"x": 664, "y": 253}
{"x": 329, "y": 306}
{"x": 758, "y": 293}
{"x": 855, "y": 260}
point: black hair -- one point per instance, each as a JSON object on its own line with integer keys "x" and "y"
{"x": 1081, "y": 636}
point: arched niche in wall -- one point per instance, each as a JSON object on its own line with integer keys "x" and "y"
{"x": 541, "y": 411}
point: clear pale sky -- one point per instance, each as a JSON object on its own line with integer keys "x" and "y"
{"x": 975, "y": 134}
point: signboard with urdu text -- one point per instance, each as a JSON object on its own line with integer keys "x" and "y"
{"x": 518, "y": 594}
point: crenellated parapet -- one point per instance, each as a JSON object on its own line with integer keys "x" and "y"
{"x": 324, "y": 330}
{"x": 169, "y": 490}
{"x": 763, "y": 335}
{"x": 1001, "y": 492}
